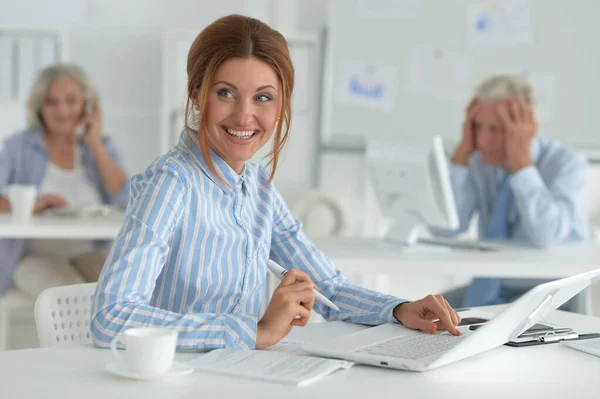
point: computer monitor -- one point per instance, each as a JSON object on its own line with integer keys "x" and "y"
{"x": 412, "y": 185}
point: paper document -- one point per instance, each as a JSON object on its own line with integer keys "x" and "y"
{"x": 439, "y": 73}
{"x": 499, "y": 24}
{"x": 367, "y": 85}
{"x": 290, "y": 346}
{"x": 269, "y": 366}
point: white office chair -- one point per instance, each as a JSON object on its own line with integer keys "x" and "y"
{"x": 62, "y": 315}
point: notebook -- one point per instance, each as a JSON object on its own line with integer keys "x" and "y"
{"x": 269, "y": 365}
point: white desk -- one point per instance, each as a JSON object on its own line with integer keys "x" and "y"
{"x": 355, "y": 256}
{"x": 548, "y": 371}
{"x": 53, "y": 227}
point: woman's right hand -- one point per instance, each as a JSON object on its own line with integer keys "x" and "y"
{"x": 48, "y": 201}
{"x": 292, "y": 298}
{"x": 467, "y": 144}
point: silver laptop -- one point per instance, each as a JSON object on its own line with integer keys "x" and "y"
{"x": 395, "y": 346}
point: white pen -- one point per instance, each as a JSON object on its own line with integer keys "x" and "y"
{"x": 280, "y": 272}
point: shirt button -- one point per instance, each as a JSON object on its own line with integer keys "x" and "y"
{"x": 249, "y": 262}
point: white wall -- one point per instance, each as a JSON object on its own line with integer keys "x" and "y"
{"x": 119, "y": 43}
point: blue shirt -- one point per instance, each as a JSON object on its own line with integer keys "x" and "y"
{"x": 23, "y": 160}
{"x": 192, "y": 253}
{"x": 550, "y": 197}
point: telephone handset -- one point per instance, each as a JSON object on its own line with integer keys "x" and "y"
{"x": 82, "y": 128}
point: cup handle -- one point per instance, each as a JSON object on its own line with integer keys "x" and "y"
{"x": 114, "y": 350}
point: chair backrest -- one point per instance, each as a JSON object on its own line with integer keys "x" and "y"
{"x": 62, "y": 315}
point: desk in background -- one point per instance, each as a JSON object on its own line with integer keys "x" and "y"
{"x": 54, "y": 227}
{"x": 547, "y": 371}
{"x": 356, "y": 256}
{"x": 353, "y": 256}
{"x": 359, "y": 256}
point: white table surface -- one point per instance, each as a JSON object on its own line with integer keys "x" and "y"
{"x": 60, "y": 227}
{"x": 548, "y": 371}
{"x": 355, "y": 256}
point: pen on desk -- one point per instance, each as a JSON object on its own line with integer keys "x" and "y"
{"x": 280, "y": 272}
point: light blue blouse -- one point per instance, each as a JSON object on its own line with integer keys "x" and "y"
{"x": 192, "y": 255}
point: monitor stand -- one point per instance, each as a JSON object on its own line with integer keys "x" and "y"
{"x": 405, "y": 231}
{"x": 404, "y": 235}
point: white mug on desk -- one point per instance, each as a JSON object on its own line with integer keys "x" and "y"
{"x": 22, "y": 200}
{"x": 148, "y": 350}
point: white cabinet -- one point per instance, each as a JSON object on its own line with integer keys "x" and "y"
{"x": 23, "y": 52}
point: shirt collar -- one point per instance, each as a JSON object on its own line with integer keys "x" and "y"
{"x": 233, "y": 181}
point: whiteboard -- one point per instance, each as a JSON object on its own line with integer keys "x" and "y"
{"x": 430, "y": 55}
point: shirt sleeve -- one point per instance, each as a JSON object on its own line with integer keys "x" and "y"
{"x": 137, "y": 258}
{"x": 465, "y": 196}
{"x": 121, "y": 197}
{"x": 552, "y": 211}
{"x": 290, "y": 247}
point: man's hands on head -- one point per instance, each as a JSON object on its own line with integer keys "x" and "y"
{"x": 467, "y": 144}
{"x": 519, "y": 130}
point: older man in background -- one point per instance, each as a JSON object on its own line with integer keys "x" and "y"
{"x": 525, "y": 188}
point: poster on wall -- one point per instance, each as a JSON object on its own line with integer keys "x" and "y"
{"x": 491, "y": 24}
{"x": 438, "y": 73}
{"x": 368, "y": 85}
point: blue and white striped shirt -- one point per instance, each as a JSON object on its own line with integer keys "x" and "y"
{"x": 192, "y": 253}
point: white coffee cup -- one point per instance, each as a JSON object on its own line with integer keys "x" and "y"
{"x": 149, "y": 350}
{"x": 22, "y": 200}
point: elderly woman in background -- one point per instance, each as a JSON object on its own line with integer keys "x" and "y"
{"x": 64, "y": 154}
{"x": 525, "y": 188}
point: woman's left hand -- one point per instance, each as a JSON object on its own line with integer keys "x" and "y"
{"x": 93, "y": 121}
{"x": 429, "y": 314}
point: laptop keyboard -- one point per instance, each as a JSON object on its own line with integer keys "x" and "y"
{"x": 414, "y": 347}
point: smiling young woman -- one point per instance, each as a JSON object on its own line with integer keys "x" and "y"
{"x": 203, "y": 221}
{"x": 240, "y": 90}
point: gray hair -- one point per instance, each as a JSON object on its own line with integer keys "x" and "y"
{"x": 45, "y": 78}
{"x": 502, "y": 87}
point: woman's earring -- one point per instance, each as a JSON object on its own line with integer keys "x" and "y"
{"x": 196, "y": 108}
